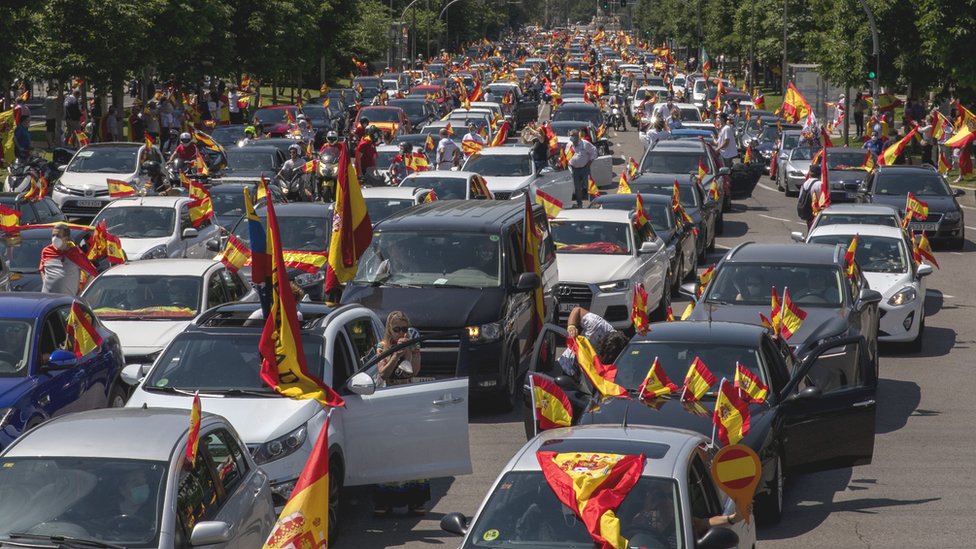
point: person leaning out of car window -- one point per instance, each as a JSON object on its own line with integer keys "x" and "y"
{"x": 606, "y": 340}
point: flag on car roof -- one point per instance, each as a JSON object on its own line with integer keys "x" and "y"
{"x": 352, "y": 230}
{"x": 891, "y": 153}
{"x": 922, "y": 250}
{"x": 850, "y": 265}
{"x": 201, "y": 206}
{"x": 698, "y": 381}
{"x": 549, "y": 203}
{"x": 731, "y": 417}
{"x": 640, "y": 215}
{"x": 82, "y": 334}
{"x": 638, "y": 308}
{"x": 601, "y": 376}
{"x": 656, "y": 383}
{"x": 193, "y": 436}
{"x": 623, "y": 186}
{"x": 235, "y": 254}
{"x": 550, "y": 403}
{"x": 632, "y": 167}
{"x": 118, "y": 188}
{"x": 593, "y": 485}
{"x": 750, "y": 384}
{"x": 791, "y": 316}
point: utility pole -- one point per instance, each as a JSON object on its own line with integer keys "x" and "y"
{"x": 784, "y": 71}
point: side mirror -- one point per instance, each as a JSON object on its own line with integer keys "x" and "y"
{"x": 362, "y": 384}
{"x": 190, "y": 232}
{"x": 797, "y": 236}
{"x": 527, "y": 282}
{"x": 958, "y": 192}
{"x": 651, "y": 246}
{"x": 923, "y": 270}
{"x": 723, "y": 171}
{"x": 689, "y": 290}
{"x": 210, "y": 532}
{"x": 133, "y": 374}
{"x": 61, "y": 359}
{"x": 868, "y": 296}
{"x": 455, "y": 523}
{"x": 718, "y": 537}
{"x": 807, "y": 393}
{"x": 213, "y": 244}
{"x": 62, "y": 167}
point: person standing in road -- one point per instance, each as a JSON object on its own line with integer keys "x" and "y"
{"x": 51, "y": 106}
{"x": 72, "y": 113}
{"x": 62, "y": 262}
{"x": 448, "y": 153}
{"x": 583, "y": 153}
{"x": 233, "y": 106}
{"x": 726, "y": 141}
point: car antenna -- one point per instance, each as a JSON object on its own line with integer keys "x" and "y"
{"x": 623, "y": 424}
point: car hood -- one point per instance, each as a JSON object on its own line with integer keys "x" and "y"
{"x": 135, "y": 247}
{"x": 144, "y": 337}
{"x": 498, "y": 183}
{"x": 594, "y": 268}
{"x": 256, "y": 419}
{"x": 11, "y": 388}
{"x": 936, "y": 203}
{"x": 888, "y": 283}
{"x": 455, "y": 307}
{"x": 96, "y": 181}
{"x": 820, "y": 322}
{"x": 799, "y": 165}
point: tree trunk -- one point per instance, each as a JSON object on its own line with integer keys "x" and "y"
{"x": 274, "y": 92}
{"x": 118, "y": 97}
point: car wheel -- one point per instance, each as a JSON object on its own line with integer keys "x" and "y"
{"x": 915, "y": 345}
{"x": 769, "y": 506}
{"x": 660, "y": 314}
{"x": 510, "y": 390}
{"x": 720, "y": 224}
{"x": 117, "y": 396}
{"x": 335, "y": 491}
{"x": 779, "y": 183}
{"x": 957, "y": 243}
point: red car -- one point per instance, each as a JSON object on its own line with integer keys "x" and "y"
{"x": 274, "y": 120}
{"x": 391, "y": 120}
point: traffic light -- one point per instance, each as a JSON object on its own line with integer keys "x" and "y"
{"x": 606, "y": 5}
{"x": 623, "y": 3}
{"x": 871, "y": 74}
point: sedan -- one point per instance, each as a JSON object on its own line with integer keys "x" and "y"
{"x": 856, "y": 214}
{"x": 392, "y": 121}
{"x": 82, "y": 190}
{"x": 702, "y": 210}
{"x": 154, "y": 227}
{"x": 678, "y": 159}
{"x": 79, "y": 481}
{"x": 510, "y": 173}
{"x": 248, "y": 164}
{"x": 580, "y": 112}
{"x": 418, "y": 110}
{"x": 450, "y": 185}
{"x": 945, "y": 223}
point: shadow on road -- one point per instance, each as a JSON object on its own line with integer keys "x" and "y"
{"x": 936, "y": 341}
{"x": 734, "y": 229}
{"x": 358, "y": 523}
{"x": 897, "y": 401}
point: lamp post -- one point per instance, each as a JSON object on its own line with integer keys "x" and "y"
{"x": 447, "y": 29}
{"x": 413, "y": 29}
{"x": 876, "y": 50}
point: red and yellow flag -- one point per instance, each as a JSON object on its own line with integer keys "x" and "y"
{"x": 105, "y": 244}
{"x": 638, "y": 308}
{"x": 915, "y": 208}
{"x": 623, "y": 187}
{"x": 283, "y": 366}
{"x": 686, "y": 314}
{"x": 849, "y": 262}
{"x": 748, "y": 157}
{"x": 869, "y": 164}
{"x": 549, "y": 203}
{"x": 601, "y": 376}
{"x": 702, "y": 169}
{"x": 791, "y": 316}
{"x": 591, "y": 189}
{"x": 81, "y": 138}
{"x": 501, "y": 135}
{"x": 632, "y": 167}
{"x": 429, "y": 144}
{"x": 201, "y": 207}
{"x": 416, "y": 162}
{"x": 731, "y": 417}
{"x": 922, "y": 250}
{"x": 431, "y": 197}
{"x": 9, "y": 220}
{"x": 944, "y": 163}
{"x": 235, "y": 254}
{"x": 750, "y": 384}
{"x": 312, "y": 166}
{"x": 704, "y": 278}
{"x": 531, "y": 244}
{"x": 656, "y": 383}
{"x": 891, "y": 153}
{"x": 352, "y": 230}
{"x": 698, "y": 381}
{"x": 470, "y": 146}
{"x": 795, "y": 106}
{"x": 193, "y": 437}
{"x": 310, "y": 262}
{"x": 118, "y": 188}
{"x": 304, "y": 522}
{"x": 593, "y": 485}
{"x": 551, "y": 405}
{"x": 775, "y": 311}
{"x": 670, "y": 315}
{"x": 640, "y": 215}
{"x": 82, "y": 332}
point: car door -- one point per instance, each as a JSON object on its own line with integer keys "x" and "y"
{"x": 197, "y": 494}
{"x": 216, "y": 290}
{"x": 828, "y": 408}
{"x": 403, "y": 432}
{"x": 59, "y": 391}
{"x": 602, "y": 170}
{"x": 653, "y": 270}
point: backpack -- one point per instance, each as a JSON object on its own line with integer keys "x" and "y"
{"x": 804, "y": 204}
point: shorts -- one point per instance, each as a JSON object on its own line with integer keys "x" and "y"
{"x": 49, "y": 125}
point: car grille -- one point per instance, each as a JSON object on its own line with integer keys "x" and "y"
{"x": 577, "y": 294}
{"x": 79, "y": 192}
{"x": 70, "y": 210}
{"x": 933, "y": 217}
{"x": 616, "y": 313}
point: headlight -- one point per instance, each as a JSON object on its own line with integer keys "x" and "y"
{"x": 795, "y": 173}
{"x": 306, "y": 279}
{"x": 281, "y": 446}
{"x": 6, "y": 414}
{"x": 158, "y": 252}
{"x": 60, "y": 187}
{"x": 766, "y": 154}
{"x": 615, "y": 286}
{"x": 952, "y": 216}
{"x": 485, "y": 333}
{"x": 905, "y": 295}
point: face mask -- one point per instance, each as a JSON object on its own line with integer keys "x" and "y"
{"x": 139, "y": 494}
{"x": 57, "y": 242}
{"x": 575, "y": 140}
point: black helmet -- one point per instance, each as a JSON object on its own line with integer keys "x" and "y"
{"x": 151, "y": 167}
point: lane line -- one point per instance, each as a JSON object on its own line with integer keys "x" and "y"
{"x": 967, "y": 226}
{"x": 768, "y": 188}
{"x": 961, "y": 206}
{"x": 776, "y": 218}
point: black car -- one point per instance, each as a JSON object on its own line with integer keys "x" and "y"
{"x": 228, "y": 200}
{"x": 836, "y": 306}
{"x": 764, "y": 145}
{"x": 680, "y": 158}
{"x": 819, "y": 412}
{"x": 703, "y": 211}
{"x": 565, "y": 127}
{"x": 418, "y": 111}
{"x": 229, "y": 135}
{"x": 249, "y": 163}
{"x": 891, "y": 184}
{"x": 524, "y": 107}
{"x": 585, "y": 112}
{"x": 749, "y": 129}
{"x": 845, "y": 173}
{"x": 453, "y": 264}
{"x": 44, "y": 210}
{"x": 678, "y": 237}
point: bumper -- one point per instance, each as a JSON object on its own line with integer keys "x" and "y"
{"x": 947, "y": 231}
{"x": 793, "y": 183}
{"x": 900, "y": 322}
{"x": 614, "y": 307}
{"x": 79, "y": 206}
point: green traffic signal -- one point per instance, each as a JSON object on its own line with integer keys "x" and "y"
{"x": 606, "y": 6}
{"x": 871, "y": 75}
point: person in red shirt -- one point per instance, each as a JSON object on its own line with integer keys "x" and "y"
{"x": 360, "y": 130}
{"x": 366, "y": 153}
{"x": 186, "y": 150}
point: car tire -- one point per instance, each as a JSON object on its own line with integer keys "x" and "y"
{"x": 720, "y": 224}
{"x": 779, "y": 183}
{"x": 510, "y": 391}
{"x": 117, "y": 396}
{"x": 660, "y": 313}
{"x": 336, "y": 473}
{"x": 915, "y": 345}
{"x": 769, "y": 507}
{"x": 956, "y": 243}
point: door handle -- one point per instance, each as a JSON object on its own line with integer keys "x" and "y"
{"x": 447, "y": 401}
{"x": 864, "y": 404}
{"x": 44, "y": 400}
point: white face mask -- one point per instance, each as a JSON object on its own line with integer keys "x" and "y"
{"x": 57, "y": 242}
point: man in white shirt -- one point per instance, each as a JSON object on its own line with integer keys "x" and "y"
{"x": 726, "y": 141}
{"x": 233, "y": 106}
{"x": 471, "y": 141}
{"x": 583, "y": 154}
{"x": 448, "y": 153}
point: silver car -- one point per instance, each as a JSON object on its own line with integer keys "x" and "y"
{"x": 96, "y": 479}
{"x": 795, "y": 169}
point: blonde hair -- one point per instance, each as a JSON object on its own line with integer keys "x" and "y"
{"x": 395, "y": 316}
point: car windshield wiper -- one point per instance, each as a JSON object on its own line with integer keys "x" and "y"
{"x": 167, "y": 389}
{"x": 65, "y": 540}
{"x": 240, "y": 392}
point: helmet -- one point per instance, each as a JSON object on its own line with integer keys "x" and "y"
{"x": 295, "y": 149}
{"x": 371, "y": 129}
{"x": 332, "y": 136}
{"x": 151, "y": 167}
{"x": 185, "y": 138}
{"x": 250, "y": 131}
{"x": 301, "y": 116}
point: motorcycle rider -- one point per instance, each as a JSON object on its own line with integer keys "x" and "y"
{"x": 360, "y": 131}
{"x": 329, "y": 155}
{"x": 186, "y": 150}
{"x": 291, "y": 170}
{"x": 617, "y": 102}
{"x": 398, "y": 167}
{"x": 250, "y": 135}
{"x": 331, "y": 145}
{"x": 156, "y": 180}
{"x": 366, "y": 154}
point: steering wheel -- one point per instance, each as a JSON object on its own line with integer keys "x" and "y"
{"x": 807, "y": 293}
{"x": 647, "y": 535}
{"x": 130, "y": 525}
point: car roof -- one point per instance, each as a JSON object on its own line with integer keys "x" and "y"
{"x": 29, "y": 304}
{"x": 162, "y": 267}
{"x": 114, "y": 145}
{"x": 303, "y": 209}
{"x": 648, "y": 198}
{"x": 157, "y": 201}
{"x": 443, "y": 174}
{"x": 391, "y": 192}
{"x": 108, "y": 433}
{"x": 578, "y": 107}
{"x": 719, "y": 333}
{"x": 514, "y": 150}
{"x": 464, "y": 215}
{"x": 752, "y": 252}
{"x": 852, "y": 229}
{"x": 861, "y": 208}
{"x": 687, "y": 145}
{"x": 259, "y": 147}
{"x": 903, "y": 169}
{"x": 587, "y": 214}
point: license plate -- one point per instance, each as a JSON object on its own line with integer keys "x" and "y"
{"x": 89, "y": 203}
{"x": 851, "y": 194}
{"x": 566, "y": 307}
{"x": 919, "y": 227}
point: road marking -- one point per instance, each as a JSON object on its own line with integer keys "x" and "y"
{"x": 967, "y": 207}
{"x": 767, "y": 188}
{"x": 971, "y": 228}
{"x": 776, "y": 218}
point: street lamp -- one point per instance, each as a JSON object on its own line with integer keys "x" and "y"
{"x": 447, "y": 30}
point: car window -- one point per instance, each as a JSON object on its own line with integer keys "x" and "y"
{"x": 701, "y": 491}
{"x": 227, "y": 458}
{"x": 216, "y": 292}
{"x": 196, "y": 495}
{"x": 236, "y": 288}
{"x": 343, "y": 365}
{"x": 53, "y": 332}
{"x": 363, "y": 337}
{"x": 836, "y": 370}
{"x": 27, "y": 214}
{"x": 185, "y": 221}
{"x": 48, "y": 211}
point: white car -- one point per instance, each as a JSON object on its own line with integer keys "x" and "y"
{"x": 382, "y": 202}
{"x": 601, "y": 257}
{"x": 510, "y": 173}
{"x": 146, "y": 303}
{"x": 675, "y": 486}
{"x": 856, "y": 213}
{"x": 450, "y": 185}
{"x": 156, "y": 227}
{"x": 884, "y": 255}
{"x": 635, "y": 102}
{"x": 82, "y": 189}
{"x": 385, "y": 433}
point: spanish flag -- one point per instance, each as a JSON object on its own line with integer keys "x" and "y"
{"x": 632, "y": 167}
{"x": 593, "y": 485}
{"x": 601, "y": 376}
{"x": 915, "y": 208}
{"x": 81, "y": 331}
{"x": 352, "y": 230}
{"x": 702, "y": 169}
{"x": 430, "y": 145}
{"x": 640, "y": 215}
{"x": 9, "y": 220}
{"x": 311, "y": 166}
{"x": 850, "y": 265}
{"x": 549, "y": 203}
{"x": 670, "y": 315}
{"x": 565, "y": 153}
{"x": 638, "y": 308}
{"x": 941, "y": 127}
{"x": 750, "y": 384}
{"x": 201, "y": 207}
{"x": 235, "y": 254}
{"x": 118, "y": 188}
{"x": 592, "y": 189}
{"x": 551, "y": 405}
{"x": 531, "y": 244}
{"x": 891, "y": 153}
{"x": 704, "y": 279}
{"x": 310, "y": 262}
{"x": 304, "y": 522}
{"x": 775, "y": 312}
{"x": 731, "y": 417}
{"x": 105, "y": 244}
{"x": 747, "y": 157}
{"x": 623, "y": 187}
{"x": 795, "y": 106}
{"x": 283, "y": 366}
{"x": 698, "y": 381}
{"x": 501, "y": 135}
{"x": 792, "y": 316}
{"x": 81, "y": 138}
{"x": 944, "y": 163}
{"x": 656, "y": 383}
{"x": 431, "y": 197}
{"x": 470, "y": 146}
{"x": 922, "y": 250}
{"x": 193, "y": 436}
{"x": 869, "y": 164}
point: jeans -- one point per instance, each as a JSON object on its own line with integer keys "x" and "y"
{"x": 581, "y": 177}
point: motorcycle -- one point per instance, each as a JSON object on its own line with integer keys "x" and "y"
{"x": 328, "y": 172}
{"x": 22, "y": 173}
{"x": 617, "y": 120}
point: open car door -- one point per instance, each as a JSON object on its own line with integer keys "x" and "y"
{"x": 410, "y": 430}
{"x": 548, "y": 354}
{"x": 829, "y": 408}
{"x": 602, "y": 170}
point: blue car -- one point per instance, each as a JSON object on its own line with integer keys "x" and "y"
{"x": 38, "y": 378}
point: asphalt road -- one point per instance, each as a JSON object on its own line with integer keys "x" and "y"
{"x": 918, "y": 491}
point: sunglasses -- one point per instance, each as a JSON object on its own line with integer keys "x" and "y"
{"x": 400, "y": 329}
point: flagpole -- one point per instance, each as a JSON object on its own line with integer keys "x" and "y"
{"x": 535, "y": 419}
{"x": 716, "y": 410}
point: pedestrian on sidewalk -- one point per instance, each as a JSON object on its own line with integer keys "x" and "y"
{"x": 858, "y": 109}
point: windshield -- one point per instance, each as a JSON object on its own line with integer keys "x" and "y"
{"x": 690, "y": 115}
{"x": 15, "y": 344}
{"x": 227, "y": 135}
{"x": 583, "y": 115}
{"x": 845, "y": 160}
{"x": 121, "y": 160}
{"x": 686, "y": 194}
{"x": 674, "y": 357}
{"x": 446, "y": 188}
{"x": 412, "y": 108}
{"x": 297, "y": 233}
{"x": 243, "y": 159}
{"x": 889, "y": 220}
{"x": 590, "y": 237}
{"x": 790, "y": 141}
{"x": 380, "y": 115}
{"x": 499, "y": 165}
{"x": 228, "y": 201}
{"x": 671, "y": 162}
{"x": 272, "y": 116}
{"x": 315, "y": 112}
{"x": 803, "y": 153}
{"x": 750, "y": 284}
{"x": 115, "y": 501}
{"x": 918, "y": 182}
{"x": 874, "y": 254}
{"x": 381, "y": 208}
{"x": 144, "y": 297}
{"x": 769, "y": 134}
{"x": 524, "y": 512}
{"x": 469, "y": 260}
{"x": 188, "y": 362}
{"x": 563, "y": 130}
{"x": 138, "y": 221}
{"x": 23, "y": 255}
